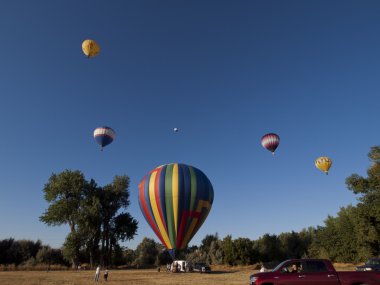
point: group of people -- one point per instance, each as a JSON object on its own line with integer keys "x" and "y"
{"x": 293, "y": 268}
{"x": 97, "y": 274}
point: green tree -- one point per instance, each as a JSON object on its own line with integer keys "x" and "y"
{"x": 146, "y": 252}
{"x": 244, "y": 252}
{"x": 205, "y": 248}
{"x": 197, "y": 255}
{"x": 95, "y": 215}
{"x": 64, "y": 193}
{"x": 368, "y": 191}
{"x": 228, "y": 250}
{"x": 215, "y": 255}
{"x": 5, "y": 256}
{"x": 291, "y": 245}
{"x": 207, "y": 240}
{"x": 163, "y": 256}
{"x": 129, "y": 256}
{"x": 71, "y": 248}
{"x": 269, "y": 248}
{"x": 48, "y": 255}
{"x": 337, "y": 239}
{"x": 115, "y": 225}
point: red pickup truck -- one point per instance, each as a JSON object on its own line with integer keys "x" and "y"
{"x": 312, "y": 272}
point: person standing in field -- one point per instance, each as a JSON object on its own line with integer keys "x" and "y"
{"x": 106, "y": 275}
{"x": 263, "y": 269}
{"x": 97, "y": 273}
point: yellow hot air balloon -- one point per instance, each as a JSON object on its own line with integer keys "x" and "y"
{"x": 323, "y": 163}
{"x": 90, "y": 48}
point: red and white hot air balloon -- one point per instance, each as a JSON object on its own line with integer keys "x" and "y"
{"x": 104, "y": 136}
{"x": 270, "y": 142}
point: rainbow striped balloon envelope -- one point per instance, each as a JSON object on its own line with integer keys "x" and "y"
{"x": 175, "y": 200}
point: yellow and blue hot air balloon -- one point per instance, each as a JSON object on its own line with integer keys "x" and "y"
{"x": 323, "y": 163}
{"x": 104, "y": 136}
{"x": 175, "y": 200}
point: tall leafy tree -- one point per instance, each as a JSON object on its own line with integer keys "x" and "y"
{"x": 95, "y": 215}
{"x": 291, "y": 245}
{"x": 331, "y": 239}
{"x": 146, "y": 252}
{"x": 244, "y": 252}
{"x": 268, "y": 247}
{"x": 215, "y": 255}
{"x": 207, "y": 240}
{"x": 368, "y": 191}
{"x": 228, "y": 250}
{"x": 64, "y": 192}
{"x": 116, "y": 225}
{"x": 308, "y": 237}
{"x": 89, "y": 223}
{"x": 5, "y": 256}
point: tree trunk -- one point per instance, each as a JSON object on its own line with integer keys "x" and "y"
{"x": 110, "y": 256}
{"x": 74, "y": 259}
{"x": 102, "y": 252}
{"x": 91, "y": 261}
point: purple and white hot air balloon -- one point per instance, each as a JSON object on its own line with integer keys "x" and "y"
{"x": 270, "y": 142}
{"x": 104, "y": 136}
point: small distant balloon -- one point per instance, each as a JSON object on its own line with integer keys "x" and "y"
{"x": 90, "y": 48}
{"x": 175, "y": 130}
{"x": 104, "y": 136}
{"x": 323, "y": 163}
{"x": 270, "y": 142}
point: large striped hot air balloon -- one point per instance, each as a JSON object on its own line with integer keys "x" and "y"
{"x": 175, "y": 199}
{"x": 270, "y": 142}
{"x": 104, "y": 136}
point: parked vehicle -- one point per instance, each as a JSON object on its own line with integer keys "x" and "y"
{"x": 201, "y": 267}
{"x": 181, "y": 266}
{"x": 372, "y": 264}
{"x": 312, "y": 272}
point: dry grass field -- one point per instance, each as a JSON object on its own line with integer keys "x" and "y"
{"x": 219, "y": 276}
{"x": 126, "y": 277}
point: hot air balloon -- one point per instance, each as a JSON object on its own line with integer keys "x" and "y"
{"x": 104, "y": 136}
{"x": 90, "y": 48}
{"x": 270, "y": 142}
{"x": 323, "y": 163}
{"x": 175, "y": 130}
{"x": 175, "y": 200}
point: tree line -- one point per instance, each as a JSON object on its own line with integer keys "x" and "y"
{"x": 29, "y": 253}
{"x": 98, "y": 222}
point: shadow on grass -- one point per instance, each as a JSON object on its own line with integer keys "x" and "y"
{"x": 221, "y": 272}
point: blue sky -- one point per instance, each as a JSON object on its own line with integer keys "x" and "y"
{"x": 224, "y": 72}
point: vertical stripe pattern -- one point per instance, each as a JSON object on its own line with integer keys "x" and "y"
{"x": 270, "y": 141}
{"x": 175, "y": 200}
